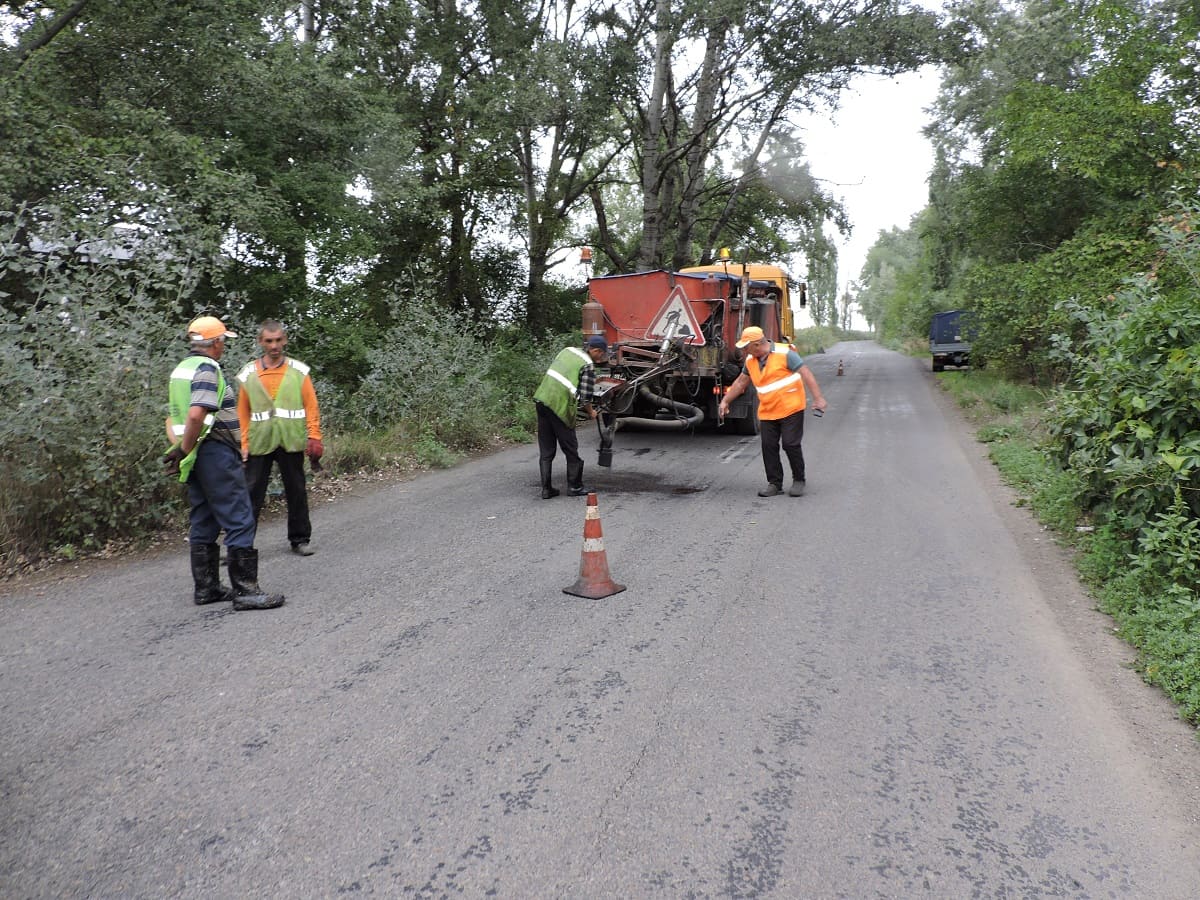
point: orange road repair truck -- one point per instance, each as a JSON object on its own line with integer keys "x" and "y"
{"x": 671, "y": 339}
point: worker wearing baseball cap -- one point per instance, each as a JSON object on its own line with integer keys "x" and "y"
{"x": 783, "y": 383}
{"x": 206, "y": 454}
{"x": 569, "y": 382}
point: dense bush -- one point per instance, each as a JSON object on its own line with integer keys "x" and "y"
{"x": 87, "y": 357}
{"x": 1128, "y": 421}
{"x": 85, "y": 362}
{"x": 1128, "y": 426}
{"x": 1020, "y": 306}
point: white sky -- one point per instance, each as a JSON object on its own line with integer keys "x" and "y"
{"x": 870, "y": 154}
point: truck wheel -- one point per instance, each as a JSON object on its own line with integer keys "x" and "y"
{"x": 938, "y": 367}
{"x": 746, "y": 426}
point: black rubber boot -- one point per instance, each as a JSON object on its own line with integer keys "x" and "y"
{"x": 206, "y": 575}
{"x": 548, "y": 488}
{"x": 243, "y": 574}
{"x": 575, "y": 479}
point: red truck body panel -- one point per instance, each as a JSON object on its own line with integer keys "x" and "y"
{"x": 633, "y": 304}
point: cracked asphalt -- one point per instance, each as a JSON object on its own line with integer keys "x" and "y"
{"x": 891, "y": 687}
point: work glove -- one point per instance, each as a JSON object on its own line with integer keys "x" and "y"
{"x": 315, "y": 451}
{"x": 171, "y": 460}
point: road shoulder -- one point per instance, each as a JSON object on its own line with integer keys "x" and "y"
{"x": 1168, "y": 743}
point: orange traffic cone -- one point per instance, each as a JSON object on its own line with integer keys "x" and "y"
{"x": 840, "y": 369}
{"x": 594, "y": 581}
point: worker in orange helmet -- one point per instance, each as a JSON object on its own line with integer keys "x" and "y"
{"x": 784, "y": 384}
{"x": 206, "y": 455}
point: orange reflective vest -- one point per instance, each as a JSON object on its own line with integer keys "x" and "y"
{"x": 780, "y": 390}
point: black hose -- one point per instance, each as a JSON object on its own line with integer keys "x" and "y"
{"x": 690, "y": 416}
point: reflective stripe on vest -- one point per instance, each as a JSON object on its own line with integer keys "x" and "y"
{"x": 559, "y": 389}
{"x": 180, "y": 397}
{"x": 279, "y": 421}
{"x": 562, "y": 379}
{"x": 776, "y": 385}
{"x": 780, "y": 390}
{"x": 178, "y": 430}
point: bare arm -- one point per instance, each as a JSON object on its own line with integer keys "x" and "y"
{"x": 734, "y": 391}
{"x": 814, "y": 389}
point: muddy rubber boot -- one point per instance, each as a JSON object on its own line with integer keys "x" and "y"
{"x": 206, "y": 575}
{"x": 575, "y": 479}
{"x": 243, "y": 574}
{"x": 548, "y": 488}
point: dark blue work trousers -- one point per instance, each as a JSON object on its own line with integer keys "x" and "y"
{"x": 217, "y": 491}
{"x": 790, "y": 432}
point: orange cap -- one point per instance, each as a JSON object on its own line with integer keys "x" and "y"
{"x": 749, "y": 336}
{"x": 207, "y": 328}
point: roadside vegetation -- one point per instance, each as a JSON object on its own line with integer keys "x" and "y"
{"x": 1144, "y": 577}
{"x": 1064, "y": 215}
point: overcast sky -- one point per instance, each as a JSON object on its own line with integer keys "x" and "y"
{"x": 871, "y": 154}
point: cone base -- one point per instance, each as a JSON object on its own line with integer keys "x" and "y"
{"x": 593, "y": 591}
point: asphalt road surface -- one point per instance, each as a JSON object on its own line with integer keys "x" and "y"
{"x": 888, "y": 688}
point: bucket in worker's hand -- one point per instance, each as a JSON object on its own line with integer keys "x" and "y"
{"x": 605, "y": 457}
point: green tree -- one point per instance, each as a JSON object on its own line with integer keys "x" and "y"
{"x": 730, "y": 78}
{"x": 1058, "y": 134}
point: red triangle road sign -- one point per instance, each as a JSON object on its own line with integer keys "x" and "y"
{"x": 677, "y": 319}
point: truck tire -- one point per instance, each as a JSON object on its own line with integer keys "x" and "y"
{"x": 748, "y": 425}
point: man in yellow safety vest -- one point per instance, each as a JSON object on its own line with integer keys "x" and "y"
{"x": 568, "y": 384}
{"x": 281, "y": 423}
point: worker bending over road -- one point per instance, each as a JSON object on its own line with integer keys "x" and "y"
{"x": 780, "y": 376}
{"x": 569, "y": 382}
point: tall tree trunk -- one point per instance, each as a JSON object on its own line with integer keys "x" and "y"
{"x": 653, "y": 226}
{"x": 535, "y": 313}
{"x": 700, "y": 144}
{"x": 306, "y": 20}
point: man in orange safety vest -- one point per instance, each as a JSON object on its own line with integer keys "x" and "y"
{"x": 783, "y": 383}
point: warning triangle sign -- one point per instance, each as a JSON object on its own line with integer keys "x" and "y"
{"x": 677, "y": 319}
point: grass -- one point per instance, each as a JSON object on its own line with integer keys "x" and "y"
{"x": 1157, "y": 616}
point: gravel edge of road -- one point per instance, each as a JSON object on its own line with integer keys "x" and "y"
{"x": 1171, "y": 746}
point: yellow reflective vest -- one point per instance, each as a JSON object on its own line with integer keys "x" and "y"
{"x": 559, "y": 390}
{"x": 279, "y": 421}
{"x": 180, "y": 398}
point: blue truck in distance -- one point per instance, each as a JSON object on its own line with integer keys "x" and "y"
{"x": 950, "y": 339}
